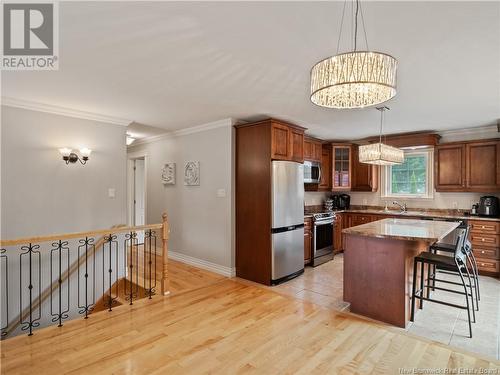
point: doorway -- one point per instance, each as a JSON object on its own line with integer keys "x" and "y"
{"x": 137, "y": 193}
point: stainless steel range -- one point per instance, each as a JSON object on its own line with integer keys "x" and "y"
{"x": 323, "y": 224}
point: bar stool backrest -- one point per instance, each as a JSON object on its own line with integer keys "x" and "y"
{"x": 467, "y": 248}
{"x": 460, "y": 257}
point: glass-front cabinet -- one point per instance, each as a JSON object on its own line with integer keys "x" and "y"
{"x": 342, "y": 167}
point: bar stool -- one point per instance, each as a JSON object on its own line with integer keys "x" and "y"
{"x": 457, "y": 263}
{"x": 471, "y": 260}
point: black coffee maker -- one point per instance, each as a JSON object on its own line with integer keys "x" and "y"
{"x": 488, "y": 206}
{"x": 344, "y": 201}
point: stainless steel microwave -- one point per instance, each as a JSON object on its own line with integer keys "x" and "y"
{"x": 312, "y": 172}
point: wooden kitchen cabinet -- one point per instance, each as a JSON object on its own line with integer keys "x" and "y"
{"x": 337, "y": 234}
{"x": 297, "y": 147}
{"x": 449, "y": 165}
{"x": 485, "y": 238}
{"x": 287, "y": 141}
{"x": 325, "y": 183}
{"x": 359, "y": 219}
{"x": 482, "y": 165}
{"x": 257, "y": 144}
{"x": 468, "y": 166}
{"x": 307, "y": 240}
{"x": 312, "y": 149}
{"x": 365, "y": 177}
{"x": 341, "y": 167}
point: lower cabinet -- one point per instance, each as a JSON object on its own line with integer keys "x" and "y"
{"x": 337, "y": 235}
{"x": 485, "y": 239}
{"x": 307, "y": 240}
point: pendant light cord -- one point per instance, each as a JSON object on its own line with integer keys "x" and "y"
{"x": 354, "y": 25}
{"x": 341, "y": 26}
{"x": 381, "y": 109}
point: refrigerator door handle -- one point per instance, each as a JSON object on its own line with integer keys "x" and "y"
{"x": 287, "y": 229}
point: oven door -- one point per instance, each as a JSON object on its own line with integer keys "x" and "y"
{"x": 312, "y": 172}
{"x": 323, "y": 238}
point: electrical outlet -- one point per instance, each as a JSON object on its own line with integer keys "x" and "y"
{"x": 365, "y": 201}
{"x": 454, "y": 205}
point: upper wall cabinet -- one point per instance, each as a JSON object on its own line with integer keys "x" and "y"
{"x": 325, "y": 183}
{"x": 364, "y": 176}
{"x": 312, "y": 149}
{"x": 341, "y": 167}
{"x": 468, "y": 166}
{"x": 287, "y": 141}
{"x": 449, "y": 160}
{"x": 482, "y": 166}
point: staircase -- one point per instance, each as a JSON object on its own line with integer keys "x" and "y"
{"x": 49, "y": 279}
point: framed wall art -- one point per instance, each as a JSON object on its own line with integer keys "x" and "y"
{"x": 168, "y": 174}
{"x": 192, "y": 173}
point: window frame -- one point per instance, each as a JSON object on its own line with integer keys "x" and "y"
{"x": 386, "y": 177}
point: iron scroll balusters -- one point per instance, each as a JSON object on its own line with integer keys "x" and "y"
{"x": 58, "y": 276}
{"x": 86, "y": 247}
{"x": 59, "y": 249}
{"x": 149, "y": 259}
{"x": 32, "y": 253}
{"x": 131, "y": 243}
{"x": 111, "y": 245}
{"x": 4, "y": 270}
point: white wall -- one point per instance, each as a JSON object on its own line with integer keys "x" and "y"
{"x": 40, "y": 193}
{"x": 201, "y": 223}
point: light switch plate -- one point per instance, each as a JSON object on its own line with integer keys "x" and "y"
{"x": 221, "y": 193}
{"x": 111, "y": 192}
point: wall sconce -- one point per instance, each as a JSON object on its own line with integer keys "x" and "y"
{"x": 70, "y": 157}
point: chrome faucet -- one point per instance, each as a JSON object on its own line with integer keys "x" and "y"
{"x": 402, "y": 207}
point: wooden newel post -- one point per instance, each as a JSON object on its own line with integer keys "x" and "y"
{"x": 165, "y": 235}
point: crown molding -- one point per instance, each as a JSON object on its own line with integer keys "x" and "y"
{"x": 62, "y": 111}
{"x": 469, "y": 131}
{"x": 182, "y": 132}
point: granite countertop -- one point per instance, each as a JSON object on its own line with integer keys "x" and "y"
{"x": 405, "y": 229}
{"x": 445, "y": 214}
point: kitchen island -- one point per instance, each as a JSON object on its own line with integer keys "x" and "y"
{"x": 378, "y": 265}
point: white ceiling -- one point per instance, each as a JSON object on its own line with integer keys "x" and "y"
{"x": 176, "y": 65}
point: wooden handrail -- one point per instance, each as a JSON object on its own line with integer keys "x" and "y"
{"x": 14, "y": 323}
{"x": 165, "y": 231}
{"x": 67, "y": 236}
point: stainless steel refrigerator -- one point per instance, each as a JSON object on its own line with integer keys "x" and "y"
{"x": 287, "y": 192}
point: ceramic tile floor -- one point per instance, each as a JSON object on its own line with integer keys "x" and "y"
{"x": 323, "y": 285}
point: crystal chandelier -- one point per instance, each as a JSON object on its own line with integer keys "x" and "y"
{"x": 354, "y": 79}
{"x": 380, "y": 153}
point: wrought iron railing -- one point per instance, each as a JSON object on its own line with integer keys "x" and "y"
{"x": 47, "y": 280}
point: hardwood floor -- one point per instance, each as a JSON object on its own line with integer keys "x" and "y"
{"x": 211, "y": 324}
{"x": 184, "y": 278}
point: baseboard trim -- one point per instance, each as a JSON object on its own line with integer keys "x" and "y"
{"x": 200, "y": 263}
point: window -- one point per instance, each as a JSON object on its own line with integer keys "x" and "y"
{"x": 413, "y": 178}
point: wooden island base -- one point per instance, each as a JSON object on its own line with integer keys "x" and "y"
{"x": 378, "y": 275}
{"x": 378, "y": 265}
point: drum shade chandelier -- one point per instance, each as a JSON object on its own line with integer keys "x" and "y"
{"x": 354, "y": 79}
{"x": 380, "y": 153}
